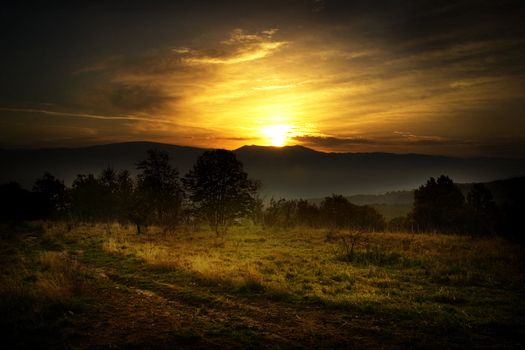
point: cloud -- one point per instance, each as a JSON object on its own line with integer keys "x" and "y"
{"x": 239, "y": 47}
{"x": 101, "y": 65}
{"x": 138, "y": 98}
{"x": 235, "y": 138}
{"x": 439, "y": 73}
{"x": 400, "y": 138}
{"x": 273, "y": 87}
{"x": 331, "y": 141}
{"x": 409, "y": 137}
{"x": 87, "y": 115}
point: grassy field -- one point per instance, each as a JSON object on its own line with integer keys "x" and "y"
{"x": 103, "y": 286}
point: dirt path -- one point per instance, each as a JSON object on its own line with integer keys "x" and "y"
{"x": 188, "y": 315}
{"x": 137, "y": 306}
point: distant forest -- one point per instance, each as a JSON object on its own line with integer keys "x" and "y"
{"x": 217, "y": 192}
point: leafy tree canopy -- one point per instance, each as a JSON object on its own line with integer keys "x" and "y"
{"x": 220, "y": 189}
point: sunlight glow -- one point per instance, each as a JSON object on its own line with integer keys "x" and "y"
{"x": 277, "y": 134}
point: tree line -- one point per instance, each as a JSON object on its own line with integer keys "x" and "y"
{"x": 218, "y": 192}
{"x": 334, "y": 212}
{"x": 440, "y": 206}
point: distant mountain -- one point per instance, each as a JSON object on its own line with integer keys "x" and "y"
{"x": 25, "y": 165}
{"x": 302, "y": 172}
{"x": 291, "y": 172}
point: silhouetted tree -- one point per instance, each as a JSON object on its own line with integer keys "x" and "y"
{"x": 16, "y": 204}
{"x": 125, "y": 195}
{"x": 159, "y": 193}
{"x": 513, "y": 210}
{"x": 401, "y": 224}
{"x": 271, "y": 213}
{"x": 139, "y": 210}
{"x": 86, "y": 195}
{"x": 108, "y": 197}
{"x": 335, "y": 211}
{"x": 257, "y": 210}
{"x": 108, "y": 200}
{"x": 364, "y": 217}
{"x": 482, "y": 209}
{"x": 338, "y": 213}
{"x": 50, "y": 194}
{"x": 219, "y": 189}
{"x": 439, "y": 205}
{"x": 480, "y": 199}
{"x": 307, "y": 213}
{"x": 281, "y": 213}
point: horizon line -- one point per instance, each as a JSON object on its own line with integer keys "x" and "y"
{"x": 34, "y": 148}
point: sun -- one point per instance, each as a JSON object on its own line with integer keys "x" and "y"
{"x": 277, "y": 134}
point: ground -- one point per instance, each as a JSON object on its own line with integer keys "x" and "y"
{"x": 103, "y": 286}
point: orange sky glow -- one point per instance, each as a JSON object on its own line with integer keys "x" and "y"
{"x": 330, "y": 83}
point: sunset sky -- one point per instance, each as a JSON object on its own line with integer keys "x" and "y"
{"x": 432, "y": 77}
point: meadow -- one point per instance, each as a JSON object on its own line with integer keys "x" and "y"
{"x": 101, "y": 286}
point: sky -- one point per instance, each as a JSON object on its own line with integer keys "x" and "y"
{"x": 430, "y": 77}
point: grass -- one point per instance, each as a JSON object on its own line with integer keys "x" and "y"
{"x": 255, "y": 287}
{"x": 40, "y": 290}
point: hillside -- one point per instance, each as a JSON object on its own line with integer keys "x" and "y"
{"x": 291, "y": 172}
{"x": 257, "y": 289}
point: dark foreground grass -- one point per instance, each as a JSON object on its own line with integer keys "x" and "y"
{"x": 103, "y": 286}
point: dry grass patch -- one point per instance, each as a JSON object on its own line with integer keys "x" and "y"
{"x": 425, "y": 282}
{"x": 423, "y": 274}
{"x": 60, "y": 278}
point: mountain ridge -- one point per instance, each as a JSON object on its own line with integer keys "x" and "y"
{"x": 245, "y": 147}
{"x": 290, "y": 171}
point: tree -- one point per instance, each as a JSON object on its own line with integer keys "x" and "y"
{"x": 16, "y": 204}
{"x": 158, "y": 197}
{"x": 307, "y": 213}
{"x": 219, "y": 189}
{"x": 124, "y": 195}
{"x": 281, "y": 213}
{"x": 365, "y": 217}
{"x": 86, "y": 195}
{"x": 401, "y": 224}
{"x": 108, "y": 182}
{"x": 335, "y": 211}
{"x": 483, "y": 218}
{"x": 480, "y": 199}
{"x": 50, "y": 195}
{"x": 439, "y": 205}
{"x": 338, "y": 213}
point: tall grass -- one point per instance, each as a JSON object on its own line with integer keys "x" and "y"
{"x": 390, "y": 268}
{"x": 437, "y": 279}
{"x": 57, "y": 280}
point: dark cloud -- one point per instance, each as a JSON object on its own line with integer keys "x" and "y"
{"x": 139, "y": 98}
{"x": 122, "y": 98}
{"x": 234, "y": 138}
{"x": 399, "y": 138}
{"x": 331, "y": 141}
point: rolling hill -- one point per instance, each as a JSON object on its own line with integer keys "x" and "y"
{"x": 291, "y": 172}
